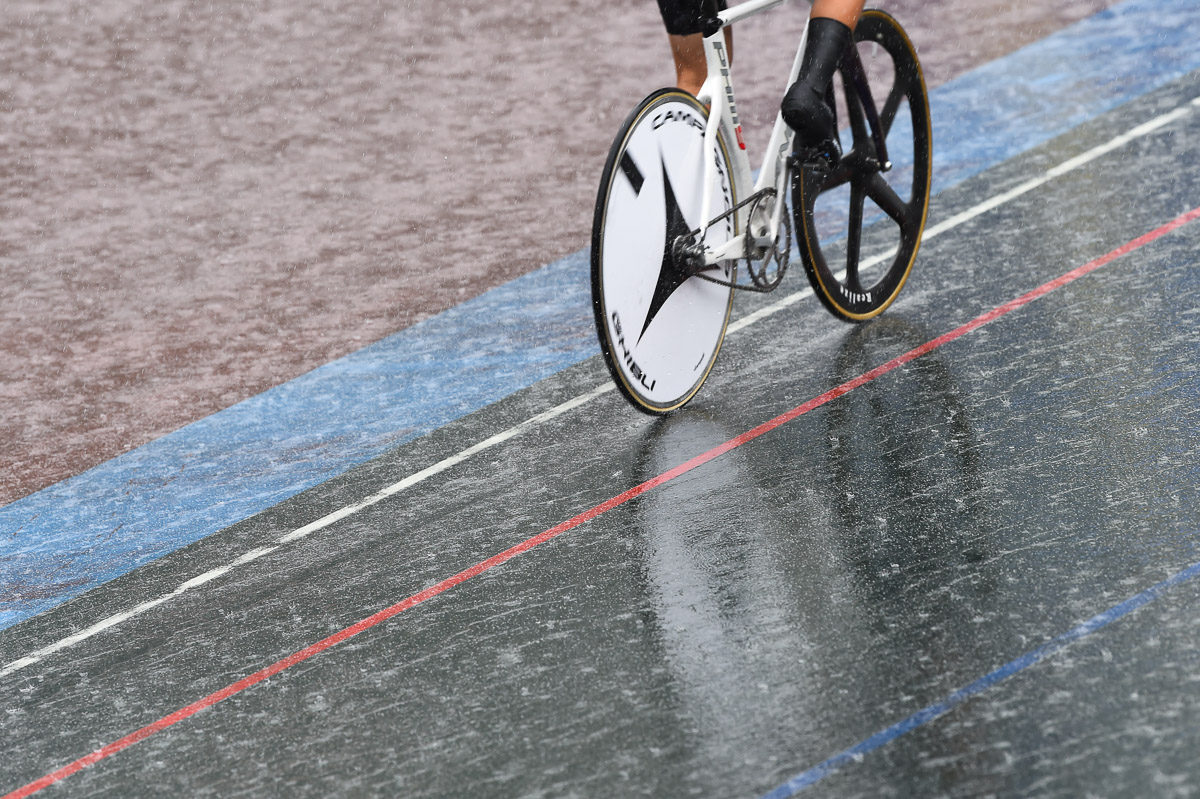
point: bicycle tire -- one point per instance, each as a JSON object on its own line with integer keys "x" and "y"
{"x": 660, "y": 330}
{"x": 900, "y": 196}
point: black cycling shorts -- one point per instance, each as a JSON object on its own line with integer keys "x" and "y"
{"x": 683, "y": 17}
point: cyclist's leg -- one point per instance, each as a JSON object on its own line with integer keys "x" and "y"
{"x": 690, "y": 67}
{"x": 846, "y": 12}
{"x": 805, "y": 107}
{"x": 682, "y": 19}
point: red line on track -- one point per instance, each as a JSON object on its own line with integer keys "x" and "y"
{"x": 667, "y": 476}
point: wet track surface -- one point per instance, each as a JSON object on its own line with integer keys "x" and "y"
{"x": 744, "y": 621}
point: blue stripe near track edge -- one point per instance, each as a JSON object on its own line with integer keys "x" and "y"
{"x": 934, "y": 711}
{"x": 72, "y": 536}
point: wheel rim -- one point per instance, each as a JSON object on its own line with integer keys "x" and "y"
{"x": 862, "y": 226}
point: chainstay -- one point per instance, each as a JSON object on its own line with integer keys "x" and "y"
{"x": 756, "y": 287}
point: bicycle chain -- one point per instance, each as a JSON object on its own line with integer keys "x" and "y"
{"x": 760, "y": 283}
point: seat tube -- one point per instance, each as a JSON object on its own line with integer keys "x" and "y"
{"x": 716, "y": 88}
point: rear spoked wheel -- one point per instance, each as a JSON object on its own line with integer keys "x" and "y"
{"x": 659, "y": 322}
{"x": 860, "y": 221}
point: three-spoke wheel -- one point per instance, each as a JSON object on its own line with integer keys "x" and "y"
{"x": 888, "y": 185}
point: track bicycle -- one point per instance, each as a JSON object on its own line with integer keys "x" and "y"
{"x": 679, "y": 210}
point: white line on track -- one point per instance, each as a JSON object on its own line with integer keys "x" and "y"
{"x": 558, "y": 410}
{"x": 443, "y": 465}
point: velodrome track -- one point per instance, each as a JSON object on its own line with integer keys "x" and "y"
{"x": 957, "y": 559}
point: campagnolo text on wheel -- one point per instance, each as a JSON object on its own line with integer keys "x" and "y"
{"x": 681, "y": 223}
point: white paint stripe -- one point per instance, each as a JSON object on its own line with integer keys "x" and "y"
{"x": 208, "y": 576}
{"x": 1141, "y": 130}
{"x": 558, "y": 410}
{"x": 985, "y": 206}
{"x": 763, "y": 313}
{"x": 28, "y": 660}
{"x": 83, "y": 635}
{"x": 447, "y": 463}
{"x": 254, "y": 554}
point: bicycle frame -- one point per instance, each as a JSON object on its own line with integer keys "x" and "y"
{"x": 717, "y": 92}
{"x": 775, "y": 171}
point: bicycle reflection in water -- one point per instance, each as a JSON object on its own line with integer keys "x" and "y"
{"x": 802, "y": 601}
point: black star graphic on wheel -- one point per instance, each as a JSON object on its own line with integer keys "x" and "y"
{"x": 670, "y": 276}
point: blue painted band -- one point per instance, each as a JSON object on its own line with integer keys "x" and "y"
{"x": 61, "y": 541}
{"x": 934, "y": 711}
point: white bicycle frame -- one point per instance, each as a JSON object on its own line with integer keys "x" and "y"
{"x": 717, "y": 92}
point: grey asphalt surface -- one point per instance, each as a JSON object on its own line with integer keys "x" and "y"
{"x": 749, "y": 619}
